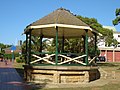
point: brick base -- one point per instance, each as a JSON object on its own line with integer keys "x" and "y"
{"x": 60, "y": 74}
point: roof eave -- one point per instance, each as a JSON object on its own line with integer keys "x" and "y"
{"x": 58, "y": 25}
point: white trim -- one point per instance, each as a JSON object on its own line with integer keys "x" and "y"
{"x": 60, "y": 25}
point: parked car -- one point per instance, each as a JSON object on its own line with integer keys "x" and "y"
{"x": 101, "y": 59}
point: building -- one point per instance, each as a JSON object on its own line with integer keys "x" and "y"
{"x": 117, "y": 37}
{"x": 112, "y": 54}
{"x": 8, "y": 50}
{"x": 19, "y": 43}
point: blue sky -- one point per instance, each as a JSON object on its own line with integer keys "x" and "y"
{"x": 15, "y": 15}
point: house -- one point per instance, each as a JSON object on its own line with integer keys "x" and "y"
{"x": 8, "y": 50}
{"x": 112, "y": 54}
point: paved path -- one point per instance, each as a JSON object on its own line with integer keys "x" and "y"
{"x": 10, "y": 79}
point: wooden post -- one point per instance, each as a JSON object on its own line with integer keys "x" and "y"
{"x": 95, "y": 45}
{"x": 63, "y": 44}
{"x": 86, "y": 47}
{"x": 41, "y": 37}
{"x": 56, "y": 56}
{"x": 26, "y": 51}
{"x": 29, "y": 49}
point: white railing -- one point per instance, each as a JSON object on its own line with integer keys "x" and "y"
{"x": 66, "y": 59}
{"x": 69, "y": 59}
{"x": 46, "y": 58}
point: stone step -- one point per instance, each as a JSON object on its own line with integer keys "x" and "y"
{"x": 103, "y": 73}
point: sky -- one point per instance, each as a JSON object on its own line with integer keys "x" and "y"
{"x": 15, "y": 15}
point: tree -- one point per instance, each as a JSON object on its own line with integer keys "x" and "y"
{"x": 36, "y": 43}
{"x": 2, "y": 46}
{"x": 116, "y": 21}
{"x": 106, "y": 33}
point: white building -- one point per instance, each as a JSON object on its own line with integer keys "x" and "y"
{"x": 116, "y": 36}
{"x": 112, "y": 54}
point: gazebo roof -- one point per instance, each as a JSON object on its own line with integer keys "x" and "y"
{"x": 60, "y": 16}
{"x": 68, "y": 25}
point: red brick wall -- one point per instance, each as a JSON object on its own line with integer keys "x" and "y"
{"x": 102, "y": 52}
{"x": 117, "y": 56}
{"x": 9, "y": 51}
{"x": 109, "y": 55}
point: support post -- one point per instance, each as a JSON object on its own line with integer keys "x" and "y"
{"x": 56, "y": 56}
{"x": 41, "y": 37}
{"x": 26, "y": 52}
{"x": 95, "y": 45}
{"x": 86, "y": 47}
{"x": 63, "y": 39}
{"x": 29, "y": 49}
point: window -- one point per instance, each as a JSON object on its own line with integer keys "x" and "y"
{"x": 118, "y": 35}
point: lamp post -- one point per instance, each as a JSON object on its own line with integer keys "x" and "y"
{"x": 12, "y": 55}
{"x": 13, "y": 48}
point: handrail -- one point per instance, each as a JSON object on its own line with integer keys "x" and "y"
{"x": 92, "y": 60}
{"x": 72, "y": 59}
{"x": 44, "y": 58}
{"x": 68, "y": 58}
{"x": 54, "y": 53}
{"x": 43, "y": 52}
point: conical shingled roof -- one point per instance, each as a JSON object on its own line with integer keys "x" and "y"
{"x": 60, "y": 16}
{"x": 68, "y": 25}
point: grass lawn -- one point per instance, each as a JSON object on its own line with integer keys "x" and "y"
{"x": 110, "y": 68}
{"x": 105, "y": 87}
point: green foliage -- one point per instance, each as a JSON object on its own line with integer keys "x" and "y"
{"x": 4, "y": 46}
{"x": 19, "y": 59}
{"x": 117, "y": 12}
{"x": 93, "y": 23}
{"x": 74, "y": 45}
{"x": 36, "y": 43}
{"x": 116, "y": 21}
{"x": 9, "y": 56}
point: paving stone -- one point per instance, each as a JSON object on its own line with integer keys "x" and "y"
{"x": 10, "y": 79}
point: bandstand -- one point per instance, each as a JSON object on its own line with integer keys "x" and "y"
{"x": 58, "y": 67}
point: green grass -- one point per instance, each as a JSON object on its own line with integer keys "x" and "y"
{"x": 109, "y": 86}
{"x": 105, "y": 87}
{"x": 109, "y": 67}
{"x": 114, "y": 84}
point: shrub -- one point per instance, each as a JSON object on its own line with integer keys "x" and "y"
{"x": 18, "y": 60}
